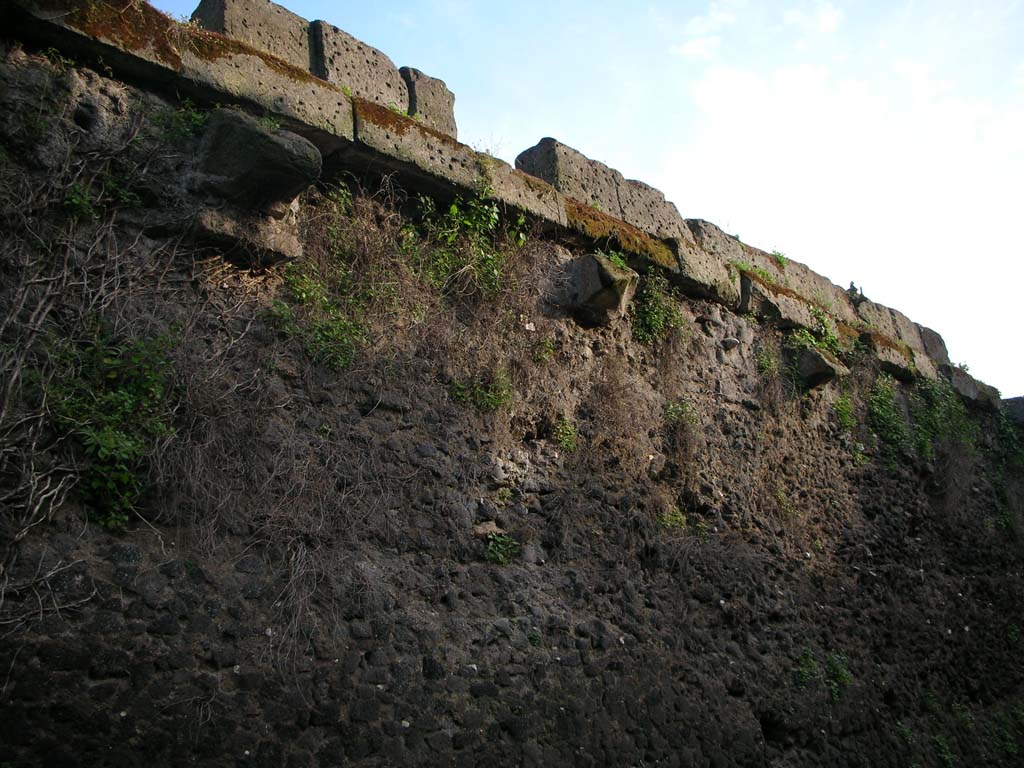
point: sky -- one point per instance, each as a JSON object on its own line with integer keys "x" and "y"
{"x": 875, "y": 141}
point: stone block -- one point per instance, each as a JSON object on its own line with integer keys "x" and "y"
{"x": 523, "y": 192}
{"x": 262, "y": 24}
{"x": 934, "y": 345}
{"x": 768, "y": 302}
{"x": 597, "y": 290}
{"x": 574, "y": 174}
{"x": 351, "y": 64}
{"x": 314, "y": 108}
{"x": 253, "y": 166}
{"x": 430, "y": 101}
{"x": 816, "y": 367}
{"x": 411, "y": 147}
{"x": 645, "y": 207}
{"x": 969, "y": 388}
{"x": 248, "y": 239}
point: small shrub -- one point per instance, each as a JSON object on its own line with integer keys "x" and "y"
{"x": 654, "y": 312}
{"x": 615, "y": 257}
{"x": 673, "y": 519}
{"x": 780, "y": 259}
{"x": 486, "y": 393}
{"x": 837, "y": 674}
{"x": 808, "y": 670}
{"x": 501, "y": 548}
{"x": 544, "y": 350}
{"x": 79, "y": 202}
{"x": 768, "y": 363}
{"x": 112, "y": 398}
{"x": 885, "y": 417}
{"x": 680, "y": 412}
{"x": 940, "y": 419}
{"x": 565, "y": 435}
{"x": 843, "y": 409}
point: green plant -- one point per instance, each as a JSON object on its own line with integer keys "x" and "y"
{"x": 837, "y": 674}
{"x": 501, "y": 548}
{"x": 322, "y": 325}
{"x": 780, "y": 259}
{"x": 112, "y": 397}
{"x": 940, "y": 420}
{"x": 767, "y": 361}
{"x": 347, "y": 92}
{"x": 180, "y": 124}
{"x": 654, "y": 312}
{"x": 79, "y": 202}
{"x": 942, "y": 749}
{"x": 465, "y": 257}
{"x": 736, "y": 268}
{"x": 885, "y": 417}
{"x": 503, "y": 495}
{"x": 534, "y": 637}
{"x": 808, "y": 670}
{"x": 60, "y": 62}
{"x": 680, "y": 412}
{"x": 673, "y": 519}
{"x": 270, "y": 123}
{"x": 843, "y": 409}
{"x": 615, "y": 257}
{"x": 785, "y": 505}
{"x": 565, "y": 435}
{"x": 487, "y": 393}
{"x": 544, "y": 350}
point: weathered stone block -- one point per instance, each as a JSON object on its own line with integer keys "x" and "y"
{"x": 349, "y": 63}
{"x": 262, "y": 24}
{"x": 969, "y": 388}
{"x": 284, "y": 91}
{"x": 768, "y": 302}
{"x": 574, "y": 174}
{"x": 253, "y": 166}
{"x": 597, "y": 290}
{"x": 816, "y": 367}
{"x": 522, "y": 191}
{"x": 246, "y": 238}
{"x": 430, "y": 101}
{"x": 645, "y": 207}
{"x": 414, "y": 147}
{"x": 934, "y": 345}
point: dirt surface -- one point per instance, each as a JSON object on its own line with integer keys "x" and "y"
{"x": 487, "y": 536}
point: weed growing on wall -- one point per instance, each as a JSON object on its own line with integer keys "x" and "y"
{"x": 654, "y": 311}
{"x": 489, "y": 392}
{"x": 885, "y": 418}
{"x": 467, "y": 250}
{"x": 111, "y": 396}
{"x": 843, "y": 409}
{"x": 564, "y": 434}
{"x": 501, "y": 548}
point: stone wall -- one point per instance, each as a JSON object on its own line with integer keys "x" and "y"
{"x": 349, "y": 112}
{"x": 333, "y": 55}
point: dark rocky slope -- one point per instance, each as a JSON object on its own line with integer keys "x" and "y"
{"x": 392, "y": 504}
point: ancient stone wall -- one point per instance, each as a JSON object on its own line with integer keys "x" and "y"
{"x": 333, "y": 55}
{"x": 348, "y": 99}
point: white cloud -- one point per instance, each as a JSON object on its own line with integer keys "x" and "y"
{"x": 699, "y": 48}
{"x": 1018, "y": 78}
{"x": 718, "y": 16}
{"x": 823, "y": 19}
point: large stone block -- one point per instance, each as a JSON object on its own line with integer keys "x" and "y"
{"x": 407, "y": 145}
{"x": 934, "y": 345}
{"x": 351, "y": 64}
{"x": 1014, "y": 409}
{"x": 574, "y": 174}
{"x": 430, "y": 101}
{"x": 645, "y": 207}
{"x": 262, "y": 24}
{"x": 969, "y": 388}
{"x": 597, "y": 291}
{"x": 253, "y": 166}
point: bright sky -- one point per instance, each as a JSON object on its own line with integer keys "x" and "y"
{"x": 876, "y": 141}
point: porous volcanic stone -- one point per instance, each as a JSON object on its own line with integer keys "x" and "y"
{"x": 597, "y": 290}
{"x": 574, "y": 174}
{"x": 368, "y": 73}
{"x": 430, "y": 101}
{"x": 969, "y": 388}
{"x": 260, "y": 23}
{"x": 252, "y": 165}
{"x": 817, "y": 367}
{"x": 247, "y": 239}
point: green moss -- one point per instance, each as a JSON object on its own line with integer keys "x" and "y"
{"x": 605, "y": 229}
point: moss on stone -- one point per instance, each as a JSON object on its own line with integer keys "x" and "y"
{"x": 396, "y": 122}
{"x": 601, "y": 227}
